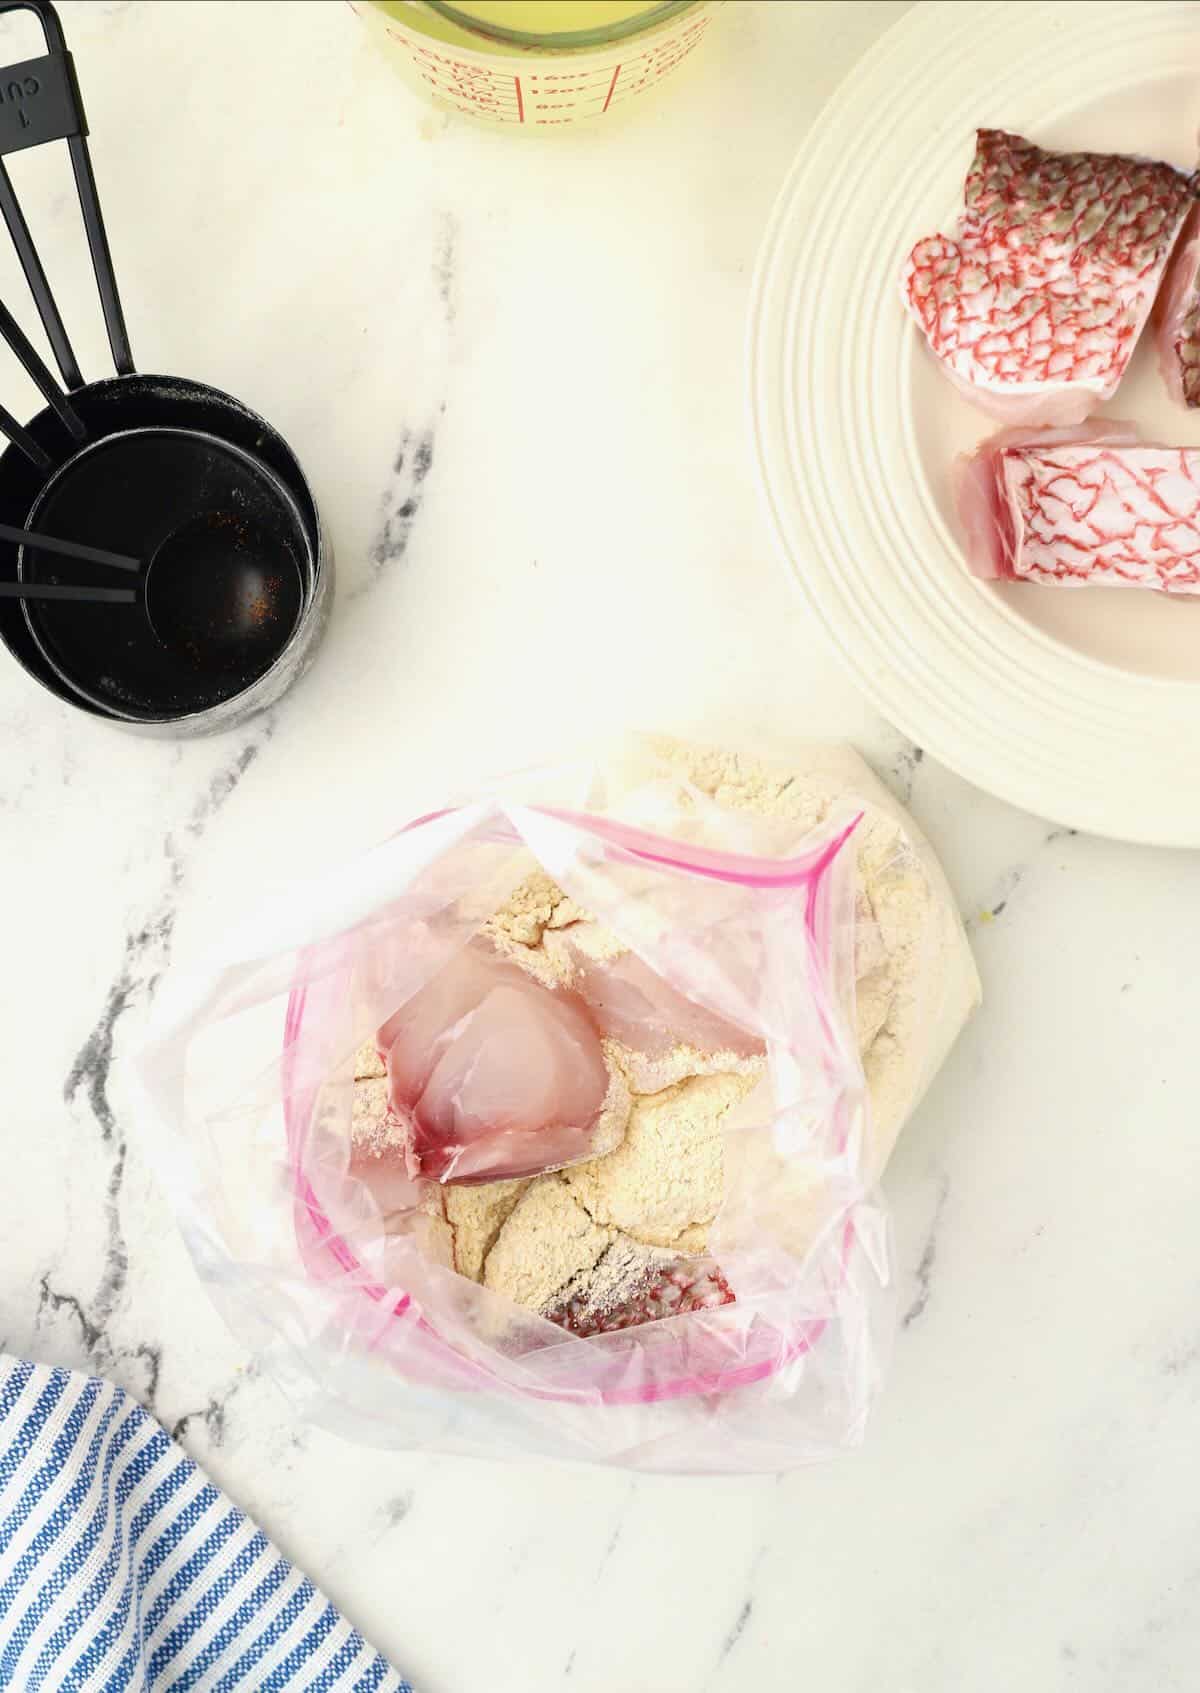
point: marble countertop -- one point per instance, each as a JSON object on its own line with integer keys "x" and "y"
{"x": 514, "y": 371}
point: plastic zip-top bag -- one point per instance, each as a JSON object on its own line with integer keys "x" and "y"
{"x": 734, "y": 1215}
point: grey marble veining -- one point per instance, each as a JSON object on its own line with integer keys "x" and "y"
{"x": 401, "y": 502}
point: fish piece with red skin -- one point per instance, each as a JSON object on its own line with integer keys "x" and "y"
{"x": 1034, "y": 305}
{"x": 1177, "y": 317}
{"x": 1083, "y": 507}
{"x": 979, "y": 494}
{"x": 695, "y": 1285}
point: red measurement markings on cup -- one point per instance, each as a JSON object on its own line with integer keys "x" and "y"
{"x": 582, "y": 95}
{"x": 466, "y": 86}
{"x": 643, "y": 70}
{"x": 557, "y": 97}
{"x": 611, "y": 87}
{"x": 586, "y": 94}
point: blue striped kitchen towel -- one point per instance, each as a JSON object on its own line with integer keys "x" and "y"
{"x": 123, "y": 1567}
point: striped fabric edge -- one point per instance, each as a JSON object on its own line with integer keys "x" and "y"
{"x": 123, "y": 1568}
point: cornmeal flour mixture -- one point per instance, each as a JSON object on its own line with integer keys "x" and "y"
{"x": 623, "y": 1237}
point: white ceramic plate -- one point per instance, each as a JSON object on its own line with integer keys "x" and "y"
{"x": 1081, "y": 705}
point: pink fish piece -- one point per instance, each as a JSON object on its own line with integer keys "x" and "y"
{"x": 1083, "y": 507}
{"x": 1177, "y": 317}
{"x": 633, "y": 1005}
{"x": 1034, "y": 305}
{"x": 392, "y": 1188}
{"x": 491, "y": 1075}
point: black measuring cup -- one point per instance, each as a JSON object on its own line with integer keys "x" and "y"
{"x": 235, "y": 580}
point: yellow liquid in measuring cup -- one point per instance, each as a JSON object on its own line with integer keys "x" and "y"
{"x": 530, "y": 17}
{"x": 546, "y": 85}
{"x": 552, "y": 17}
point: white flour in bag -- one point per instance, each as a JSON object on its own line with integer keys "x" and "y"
{"x": 916, "y": 981}
{"x": 621, "y": 1238}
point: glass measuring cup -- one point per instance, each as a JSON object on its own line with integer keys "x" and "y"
{"x": 532, "y": 66}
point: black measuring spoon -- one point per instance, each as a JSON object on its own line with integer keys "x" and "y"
{"x": 71, "y": 591}
{"x": 218, "y": 587}
{"x": 222, "y": 590}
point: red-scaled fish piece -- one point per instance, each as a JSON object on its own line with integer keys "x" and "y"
{"x": 1088, "y": 507}
{"x": 1177, "y": 317}
{"x": 689, "y": 1286}
{"x": 1033, "y": 306}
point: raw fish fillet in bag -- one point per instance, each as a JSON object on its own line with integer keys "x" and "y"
{"x": 493, "y": 1076}
{"x": 764, "y": 1354}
